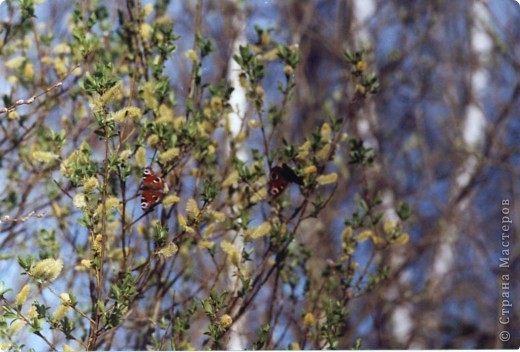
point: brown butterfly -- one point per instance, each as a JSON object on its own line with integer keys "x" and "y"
{"x": 153, "y": 189}
{"x": 280, "y": 178}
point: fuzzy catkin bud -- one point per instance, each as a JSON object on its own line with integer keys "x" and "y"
{"x": 47, "y": 270}
{"x": 226, "y": 321}
{"x": 79, "y": 201}
{"x": 60, "y": 312}
{"x": 63, "y": 308}
{"x": 67, "y": 348}
{"x": 17, "y": 326}
{"x": 192, "y": 210}
{"x": 232, "y": 251}
{"x": 168, "y": 250}
{"x": 90, "y": 184}
{"x": 169, "y": 155}
{"x": 44, "y": 157}
{"x": 308, "y": 320}
{"x": 326, "y": 179}
{"x": 21, "y": 297}
{"x": 32, "y": 313}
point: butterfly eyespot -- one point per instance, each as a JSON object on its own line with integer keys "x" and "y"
{"x": 153, "y": 189}
{"x": 281, "y": 176}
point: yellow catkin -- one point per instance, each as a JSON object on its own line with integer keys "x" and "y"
{"x": 126, "y": 114}
{"x": 259, "y": 195}
{"x": 170, "y": 200}
{"x": 63, "y": 308}
{"x": 361, "y": 65}
{"x": 32, "y": 313}
{"x": 303, "y": 151}
{"x": 324, "y": 153}
{"x": 192, "y": 55}
{"x": 79, "y": 201}
{"x": 90, "y": 184}
{"x": 21, "y": 297}
{"x": 226, "y": 321}
{"x": 17, "y": 326}
{"x": 182, "y": 220}
{"x": 140, "y": 156}
{"x": 389, "y": 227}
{"x": 149, "y": 95}
{"x": 258, "y": 232}
{"x": 327, "y": 179}
{"x": 44, "y": 157}
{"x": 325, "y": 132}
{"x": 168, "y": 250}
{"x": 169, "y": 155}
{"x": 253, "y": 123}
{"x": 232, "y": 251}
{"x": 28, "y": 71}
{"x": 310, "y": 170}
{"x": 47, "y": 270}
{"x": 403, "y": 238}
{"x": 205, "y": 244}
{"x": 217, "y": 216}
{"x": 231, "y": 179}
{"x": 308, "y": 320}
{"x": 147, "y": 9}
{"x": 87, "y": 263}
{"x": 146, "y": 31}
{"x": 15, "y": 63}
{"x": 115, "y": 93}
{"x": 67, "y": 348}
{"x": 192, "y": 210}
{"x": 347, "y": 233}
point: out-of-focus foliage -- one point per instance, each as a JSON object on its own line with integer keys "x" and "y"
{"x": 378, "y": 180}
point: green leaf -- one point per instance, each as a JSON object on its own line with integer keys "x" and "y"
{"x": 404, "y": 211}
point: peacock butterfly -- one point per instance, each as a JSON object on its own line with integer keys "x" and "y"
{"x": 153, "y": 189}
{"x": 280, "y": 178}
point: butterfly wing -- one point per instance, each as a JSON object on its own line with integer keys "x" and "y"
{"x": 151, "y": 181}
{"x": 290, "y": 175}
{"x": 150, "y": 198}
{"x": 277, "y": 182}
{"x": 153, "y": 189}
{"x": 280, "y": 178}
